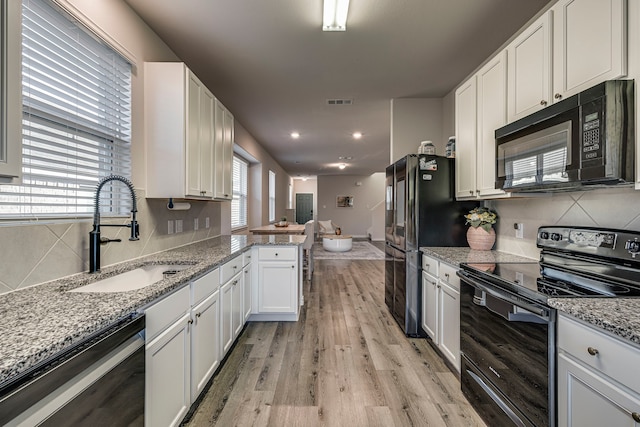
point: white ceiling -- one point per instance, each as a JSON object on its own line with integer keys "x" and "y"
{"x": 269, "y": 62}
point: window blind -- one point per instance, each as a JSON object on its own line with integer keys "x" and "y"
{"x": 272, "y": 196}
{"x": 239, "y": 202}
{"x": 76, "y": 119}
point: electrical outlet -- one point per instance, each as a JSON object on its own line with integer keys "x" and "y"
{"x": 519, "y": 230}
{"x": 206, "y": 222}
{"x": 195, "y": 224}
{"x": 178, "y": 226}
{"x": 170, "y": 229}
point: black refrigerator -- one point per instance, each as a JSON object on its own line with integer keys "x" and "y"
{"x": 420, "y": 210}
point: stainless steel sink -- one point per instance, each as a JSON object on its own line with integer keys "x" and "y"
{"x": 131, "y": 280}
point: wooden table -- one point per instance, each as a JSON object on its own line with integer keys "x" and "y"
{"x": 272, "y": 229}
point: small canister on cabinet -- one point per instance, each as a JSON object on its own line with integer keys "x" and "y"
{"x": 450, "y": 149}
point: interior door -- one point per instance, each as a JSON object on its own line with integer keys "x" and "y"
{"x": 304, "y": 207}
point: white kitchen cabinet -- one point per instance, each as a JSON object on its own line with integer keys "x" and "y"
{"x": 529, "y": 69}
{"x": 247, "y": 281}
{"x": 480, "y": 109}
{"x": 572, "y": 47}
{"x": 223, "y": 159}
{"x": 589, "y": 44}
{"x": 277, "y": 279}
{"x": 231, "y": 278}
{"x": 441, "y": 307}
{"x": 598, "y": 379}
{"x": 466, "y": 131}
{"x": 179, "y": 124}
{"x": 205, "y": 335}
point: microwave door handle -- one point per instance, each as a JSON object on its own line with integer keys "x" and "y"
{"x": 541, "y": 312}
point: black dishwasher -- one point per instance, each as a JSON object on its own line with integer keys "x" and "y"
{"x": 99, "y": 380}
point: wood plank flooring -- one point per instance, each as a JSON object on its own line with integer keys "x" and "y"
{"x": 345, "y": 363}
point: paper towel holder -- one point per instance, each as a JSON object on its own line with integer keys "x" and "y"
{"x": 178, "y": 206}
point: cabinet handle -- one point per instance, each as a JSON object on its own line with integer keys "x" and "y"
{"x": 446, "y": 275}
{"x": 198, "y": 314}
{"x": 235, "y": 267}
{"x": 190, "y": 321}
{"x": 471, "y": 192}
{"x": 543, "y": 102}
{"x": 592, "y": 351}
{"x": 635, "y": 416}
{"x": 557, "y": 96}
{"x": 235, "y": 282}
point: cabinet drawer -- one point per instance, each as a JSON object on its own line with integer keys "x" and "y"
{"x": 430, "y": 265}
{"x": 204, "y": 286}
{"x": 278, "y": 253}
{"x": 614, "y": 357}
{"x": 449, "y": 276}
{"x": 165, "y": 312}
{"x": 230, "y": 269}
{"x": 246, "y": 258}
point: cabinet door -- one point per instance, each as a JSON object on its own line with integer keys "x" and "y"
{"x": 227, "y": 161}
{"x": 237, "y": 315}
{"x": 449, "y": 323}
{"x": 529, "y": 69}
{"x": 246, "y": 292}
{"x": 587, "y": 399}
{"x": 192, "y": 137}
{"x": 226, "y": 319}
{"x": 589, "y": 44}
{"x": 430, "y": 306}
{"x": 466, "y": 128}
{"x": 207, "y": 119}
{"x": 205, "y": 342}
{"x": 277, "y": 288}
{"x": 218, "y": 158}
{"x": 167, "y": 372}
{"x": 492, "y": 114}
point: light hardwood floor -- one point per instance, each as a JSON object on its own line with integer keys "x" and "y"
{"x": 344, "y": 363}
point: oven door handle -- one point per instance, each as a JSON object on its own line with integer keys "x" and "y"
{"x": 539, "y": 311}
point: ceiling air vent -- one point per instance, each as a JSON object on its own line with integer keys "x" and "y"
{"x": 339, "y": 101}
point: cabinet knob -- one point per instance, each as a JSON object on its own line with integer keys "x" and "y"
{"x": 592, "y": 351}
{"x": 190, "y": 321}
{"x": 198, "y": 314}
{"x": 543, "y": 102}
{"x": 235, "y": 282}
{"x": 293, "y": 266}
{"x": 276, "y": 253}
{"x": 557, "y": 96}
{"x": 446, "y": 275}
{"x": 471, "y": 192}
{"x": 635, "y": 416}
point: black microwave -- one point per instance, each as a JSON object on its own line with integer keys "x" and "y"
{"x": 587, "y": 139}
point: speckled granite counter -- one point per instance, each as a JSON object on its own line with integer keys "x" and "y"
{"x": 618, "y": 316}
{"x": 42, "y": 320}
{"x": 456, "y": 256}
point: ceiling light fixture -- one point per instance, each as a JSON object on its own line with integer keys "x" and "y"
{"x": 334, "y": 17}
{"x": 342, "y": 166}
{"x": 357, "y": 135}
{"x": 295, "y": 135}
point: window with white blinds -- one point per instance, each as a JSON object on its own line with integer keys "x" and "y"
{"x": 272, "y": 196}
{"x": 76, "y": 119}
{"x": 240, "y": 196}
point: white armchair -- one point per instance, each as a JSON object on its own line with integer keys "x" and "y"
{"x": 307, "y": 248}
{"x": 327, "y": 227}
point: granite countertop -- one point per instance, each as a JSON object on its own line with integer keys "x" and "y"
{"x": 458, "y": 255}
{"x": 618, "y": 316}
{"x": 40, "y": 321}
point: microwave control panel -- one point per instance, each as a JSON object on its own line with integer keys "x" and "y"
{"x": 592, "y": 122}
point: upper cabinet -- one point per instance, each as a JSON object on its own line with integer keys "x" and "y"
{"x": 481, "y": 105}
{"x": 575, "y": 45}
{"x": 189, "y": 135}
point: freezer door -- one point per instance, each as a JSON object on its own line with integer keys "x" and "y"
{"x": 400, "y": 288}
{"x": 389, "y": 206}
{"x": 400, "y": 202}
{"x": 389, "y": 277}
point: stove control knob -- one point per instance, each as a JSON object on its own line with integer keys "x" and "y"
{"x": 556, "y": 237}
{"x": 633, "y": 246}
{"x": 544, "y": 235}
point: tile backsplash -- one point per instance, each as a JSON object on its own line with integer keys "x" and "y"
{"x": 609, "y": 208}
{"x": 40, "y": 251}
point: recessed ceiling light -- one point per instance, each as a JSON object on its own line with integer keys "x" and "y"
{"x": 334, "y": 17}
{"x": 357, "y": 135}
{"x": 295, "y": 135}
{"x": 342, "y": 166}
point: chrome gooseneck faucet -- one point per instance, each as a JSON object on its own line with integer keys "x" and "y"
{"x": 94, "y": 236}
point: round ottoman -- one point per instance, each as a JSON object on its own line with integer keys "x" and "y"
{"x": 341, "y": 243}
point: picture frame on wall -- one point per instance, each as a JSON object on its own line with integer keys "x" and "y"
{"x": 344, "y": 201}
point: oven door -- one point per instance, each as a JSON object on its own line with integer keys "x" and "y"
{"x": 508, "y": 343}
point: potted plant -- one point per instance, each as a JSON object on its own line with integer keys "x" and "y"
{"x": 481, "y": 235}
{"x": 283, "y": 221}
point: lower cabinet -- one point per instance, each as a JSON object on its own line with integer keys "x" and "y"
{"x": 205, "y": 343}
{"x": 598, "y": 379}
{"x": 231, "y": 312}
{"x": 441, "y": 307}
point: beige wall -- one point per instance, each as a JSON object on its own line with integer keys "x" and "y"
{"x": 34, "y": 253}
{"x": 367, "y": 196}
{"x": 415, "y": 120}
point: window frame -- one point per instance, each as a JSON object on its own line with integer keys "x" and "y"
{"x": 272, "y": 196}
{"x": 242, "y": 196}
